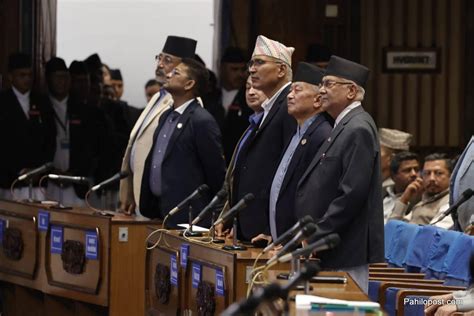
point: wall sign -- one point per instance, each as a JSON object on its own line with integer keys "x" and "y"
{"x": 417, "y": 60}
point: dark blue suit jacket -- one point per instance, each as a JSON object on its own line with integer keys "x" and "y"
{"x": 193, "y": 157}
{"x": 256, "y": 166}
{"x": 342, "y": 191}
{"x": 309, "y": 145}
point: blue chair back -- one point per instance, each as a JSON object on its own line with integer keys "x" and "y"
{"x": 405, "y": 234}
{"x": 456, "y": 264}
{"x": 390, "y": 231}
{"x": 418, "y": 250}
{"x": 437, "y": 253}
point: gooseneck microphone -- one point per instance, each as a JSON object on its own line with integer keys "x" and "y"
{"x": 306, "y": 231}
{"x": 71, "y": 179}
{"x": 42, "y": 169}
{"x": 237, "y": 207}
{"x": 115, "y": 178}
{"x": 466, "y": 195}
{"x": 326, "y": 243}
{"x": 219, "y": 198}
{"x": 289, "y": 233}
{"x": 195, "y": 195}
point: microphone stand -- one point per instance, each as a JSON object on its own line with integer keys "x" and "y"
{"x": 189, "y": 232}
{"x": 234, "y": 245}
{"x": 30, "y": 191}
{"x": 213, "y": 231}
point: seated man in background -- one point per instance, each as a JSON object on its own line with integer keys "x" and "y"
{"x": 392, "y": 141}
{"x": 404, "y": 169}
{"x": 434, "y": 190}
{"x": 152, "y": 87}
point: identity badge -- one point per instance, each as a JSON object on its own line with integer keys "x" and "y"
{"x": 43, "y": 220}
{"x": 56, "y": 239}
{"x": 196, "y": 274}
{"x": 92, "y": 245}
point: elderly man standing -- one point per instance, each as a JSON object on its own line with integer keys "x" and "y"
{"x": 141, "y": 137}
{"x": 341, "y": 188}
{"x": 314, "y": 127}
{"x": 259, "y": 151}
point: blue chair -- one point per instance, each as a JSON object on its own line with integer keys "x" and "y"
{"x": 404, "y": 236}
{"x": 390, "y": 232}
{"x": 456, "y": 264}
{"x": 417, "y": 252}
{"x": 437, "y": 254}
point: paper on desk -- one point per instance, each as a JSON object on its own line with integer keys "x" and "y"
{"x": 195, "y": 228}
{"x": 304, "y": 302}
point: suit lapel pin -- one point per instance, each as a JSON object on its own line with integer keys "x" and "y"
{"x": 303, "y": 141}
{"x": 329, "y": 139}
{"x": 179, "y": 125}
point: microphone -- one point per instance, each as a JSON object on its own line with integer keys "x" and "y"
{"x": 466, "y": 195}
{"x": 195, "y": 195}
{"x": 118, "y": 176}
{"x": 73, "y": 179}
{"x": 271, "y": 292}
{"x": 249, "y": 197}
{"x": 328, "y": 242}
{"x": 219, "y": 198}
{"x": 42, "y": 169}
{"x": 290, "y": 232}
{"x": 306, "y": 231}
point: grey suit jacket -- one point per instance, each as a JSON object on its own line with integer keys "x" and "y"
{"x": 341, "y": 190}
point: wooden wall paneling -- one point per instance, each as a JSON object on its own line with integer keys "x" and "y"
{"x": 455, "y": 88}
{"x": 397, "y": 22}
{"x": 426, "y": 119}
{"x": 368, "y": 55}
{"x": 412, "y": 90}
{"x": 29, "y": 302}
{"x": 441, "y": 132}
{"x": 240, "y": 24}
{"x": 382, "y": 85}
{"x": 9, "y": 36}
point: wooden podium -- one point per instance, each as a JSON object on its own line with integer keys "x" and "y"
{"x": 95, "y": 266}
{"x": 170, "y": 289}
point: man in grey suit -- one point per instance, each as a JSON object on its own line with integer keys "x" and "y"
{"x": 341, "y": 188}
{"x": 141, "y": 137}
{"x": 462, "y": 179}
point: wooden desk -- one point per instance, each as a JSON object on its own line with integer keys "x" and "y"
{"x": 211, "y": 258}
{"x": 112, "y": 284}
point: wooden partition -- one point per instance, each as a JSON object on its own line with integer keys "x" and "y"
{"x": 104, "y": 276}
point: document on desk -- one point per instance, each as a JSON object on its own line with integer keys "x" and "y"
{"x": 313, "y": 302}
{"x": 195, "y": 228}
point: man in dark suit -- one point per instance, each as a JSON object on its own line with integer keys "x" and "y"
{"x": 227, "y": 104}
{"x": 341, "y": 188}
{"x": 26, "y": 129}
{"x": 260, "y": 149}
{"x": 186, "y": 151}
{"x": 314, "y": 127}
{"x": 80, "y": 133}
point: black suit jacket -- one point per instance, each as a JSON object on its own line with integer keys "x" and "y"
{"x": 341, "y": 190}
{"x": 233, "y": 123}
{"x": 309, "y": 145}
{"x": 26, "y": 142}
{"x": 256, "y": 166}
{"x": 193, "y": 157}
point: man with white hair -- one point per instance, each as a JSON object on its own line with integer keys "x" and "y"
{"x": 258, "y": 153}
{"x": 341, "y": 188}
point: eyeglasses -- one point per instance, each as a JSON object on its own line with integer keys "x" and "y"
{"x": 436, "y": 173}
{"x": 328, "y": 84}
{"x": 167, "y": 60}
{"x": 259, "y": 62}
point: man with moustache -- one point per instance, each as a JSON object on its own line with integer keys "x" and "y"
{"x": 26, "y": 130}
{"x": 314, "y": 127}
{"x": 404, "y": 169}
{"x": 186, "y": 151}
{"x": 258, "y": 153}
{"x": 341, "y": 188}
{"x": 433, "y": 186}
{"x": 141, "y": 137}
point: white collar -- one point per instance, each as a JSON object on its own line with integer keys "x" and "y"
{"x": 183, "y": 107}
{"x": 19, "y": 95}
{"x": 268, "y": 103}
{"x": 341, "y": 115}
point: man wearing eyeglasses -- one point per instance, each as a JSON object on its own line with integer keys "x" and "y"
{"x": 141, "y": 137}
{"x": 433, "y": 186}
{"x": 341, "y": 188}
{"x": 258, "y": 153}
